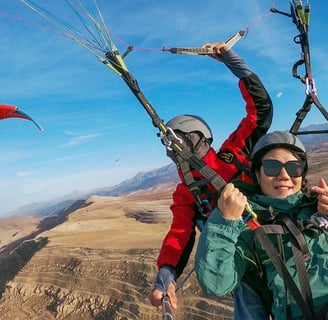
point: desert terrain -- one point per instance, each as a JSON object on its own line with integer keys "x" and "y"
{"x": 98, "y": 264}
{"x": 98, "y": 261}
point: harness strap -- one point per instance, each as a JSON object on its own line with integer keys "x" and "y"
{"x": 303, "y": 278}
{"x": 304, "y": 299}
{"x": 301, "y": 253}
{"x": 206, "y": 171}
{"x": 301, "y": 114}
{"x": 194, "y": 188}
{"x": 297, "y": 236}
{"x": 195, "y": 191}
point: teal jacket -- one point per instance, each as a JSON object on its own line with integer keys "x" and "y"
{"x": 226, "y": 251}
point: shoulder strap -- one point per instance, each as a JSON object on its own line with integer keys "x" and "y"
{"x": 195, "y": 191}
{"x": 304, "y": 297}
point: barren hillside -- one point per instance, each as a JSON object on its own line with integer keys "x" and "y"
{"x": 99, "y": 264}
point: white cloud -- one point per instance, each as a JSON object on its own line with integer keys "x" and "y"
{"x": 26, "y": 173}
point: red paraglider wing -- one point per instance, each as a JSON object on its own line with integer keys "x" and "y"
{"x": 10, "y": 111}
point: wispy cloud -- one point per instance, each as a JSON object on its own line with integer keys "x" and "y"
{"x": 78, "y": 139}
{"x": 26, "y": 173}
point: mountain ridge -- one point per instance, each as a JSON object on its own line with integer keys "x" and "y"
{"x": 147, "y": 179}
{"x": 141, "y": 181}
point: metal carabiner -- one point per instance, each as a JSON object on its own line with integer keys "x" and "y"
{"x": 167, "y": 138}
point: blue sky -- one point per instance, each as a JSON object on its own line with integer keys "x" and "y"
{"x": 96, "y": 133}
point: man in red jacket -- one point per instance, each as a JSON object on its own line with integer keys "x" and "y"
{"x": 230, "y": 162}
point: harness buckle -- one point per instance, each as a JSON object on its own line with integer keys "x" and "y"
{"x": 226, "y": 156}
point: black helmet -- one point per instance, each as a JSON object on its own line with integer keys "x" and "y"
{"x": 189, "y": 123}
{"x": 278, "y": 139}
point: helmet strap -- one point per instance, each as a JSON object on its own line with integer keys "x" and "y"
{"x": 199, "y": 148}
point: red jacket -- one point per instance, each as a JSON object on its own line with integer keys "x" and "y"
{"x": 179, "y": 241}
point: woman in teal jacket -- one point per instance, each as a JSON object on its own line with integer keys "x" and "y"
{"x": 228, "y": 249}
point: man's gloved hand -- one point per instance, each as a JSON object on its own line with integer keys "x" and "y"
{"x": 165, "y": 283}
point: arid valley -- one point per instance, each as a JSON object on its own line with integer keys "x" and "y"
{"x": 98, "y": 264}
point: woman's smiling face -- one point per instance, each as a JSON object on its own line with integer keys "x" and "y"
{"x": 282, "y": 185}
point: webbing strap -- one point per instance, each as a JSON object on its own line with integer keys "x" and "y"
{"x": 301, "y": 114}
{"x": 186, "y": 172}
{"x": 194, "y": 189}
{"x": 303, "y": 278}
{"x": 301, "y": 253}
{"x": 304, "y": 300}
{"x": 191, "y": 184}
{"x": 213, "y": 177}
{"x": 297, "y": 236}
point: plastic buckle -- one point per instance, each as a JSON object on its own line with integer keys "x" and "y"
{"x": 226, "y": 156}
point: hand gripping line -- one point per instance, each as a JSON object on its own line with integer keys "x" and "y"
{"x": 206, "y": 51}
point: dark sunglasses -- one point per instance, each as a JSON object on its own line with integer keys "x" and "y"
{"x": 272, "y": 168}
